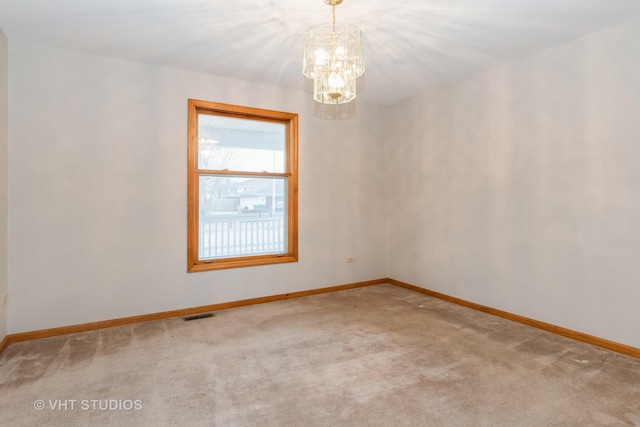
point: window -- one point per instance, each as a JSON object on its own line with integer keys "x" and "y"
{"x": 242, "y": 186}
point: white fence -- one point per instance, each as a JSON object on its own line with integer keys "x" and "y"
{"x": 241, "y": 235}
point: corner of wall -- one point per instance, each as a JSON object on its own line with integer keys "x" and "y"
{"x": 387, "y": 110}
{"x": 4, "y": 193}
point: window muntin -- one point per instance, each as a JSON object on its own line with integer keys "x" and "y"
{"x": 242, "y": 187}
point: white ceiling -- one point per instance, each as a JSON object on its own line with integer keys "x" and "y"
{"x": 412, "y": 46}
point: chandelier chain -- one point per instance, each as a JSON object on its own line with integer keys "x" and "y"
{"x": 333, "y": 14}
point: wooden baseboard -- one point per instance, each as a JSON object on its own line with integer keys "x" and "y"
{"x": 589, "y": 339}
{"x": 579, "y": 336}
{"x": 84, "y": 327}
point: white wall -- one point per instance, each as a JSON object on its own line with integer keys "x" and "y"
{"x": 97, "y": 180}
{"x": 516, "y": 188}
{"x": 519, "y": 188}
{"x": 4, "y": 186}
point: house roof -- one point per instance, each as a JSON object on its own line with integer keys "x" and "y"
{"x": 258, "y": 187}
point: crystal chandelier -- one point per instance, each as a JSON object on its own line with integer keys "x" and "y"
{"x": 333, "y": 59}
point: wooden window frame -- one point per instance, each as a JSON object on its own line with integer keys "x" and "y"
{"x": 290, "y": 120}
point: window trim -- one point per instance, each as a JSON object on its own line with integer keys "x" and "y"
{"x": 290, "y": 120}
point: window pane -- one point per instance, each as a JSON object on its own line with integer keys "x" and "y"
{"x": 242, "y": 216}
{"x": 240, "y": 144}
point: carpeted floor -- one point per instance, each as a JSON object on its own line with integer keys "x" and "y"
{"x": 379, "y": 356}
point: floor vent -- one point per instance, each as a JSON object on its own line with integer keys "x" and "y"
{"x": 198, "y": 316}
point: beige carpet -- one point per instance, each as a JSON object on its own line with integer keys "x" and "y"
{"x": 380, "y": 356}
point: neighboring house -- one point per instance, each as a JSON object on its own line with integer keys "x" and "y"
{"x": 258, "y": 195}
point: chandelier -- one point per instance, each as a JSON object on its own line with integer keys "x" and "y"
{"x": 333, "y": 59}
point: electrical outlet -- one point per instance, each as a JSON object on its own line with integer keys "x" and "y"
{"x": 351, "y": 259}
{"x": 4, "y": 299}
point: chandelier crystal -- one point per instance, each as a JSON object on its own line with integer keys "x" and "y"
{"x": 333, "y": 59}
